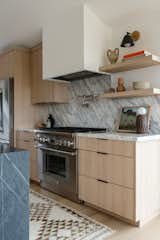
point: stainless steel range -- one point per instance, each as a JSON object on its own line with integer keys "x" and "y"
{"x": 58, "y": 160}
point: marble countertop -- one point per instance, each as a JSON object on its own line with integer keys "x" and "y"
{"x": 109, "y": 135}
{"x": 121, "y": 136}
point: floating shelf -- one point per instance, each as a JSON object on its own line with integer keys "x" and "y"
{"x": 132, "y": 93}
{"x": 129, "y": 65}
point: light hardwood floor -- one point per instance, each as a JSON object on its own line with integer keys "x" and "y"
{"x": 124, "y": 231}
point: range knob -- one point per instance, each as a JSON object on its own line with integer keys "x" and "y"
{"x": 70, "y": 144}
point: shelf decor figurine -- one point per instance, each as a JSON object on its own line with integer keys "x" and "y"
{"x": 121, "y": 87}
{"x": 113, "y": 55}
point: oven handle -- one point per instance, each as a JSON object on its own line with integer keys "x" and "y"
{"x": 58, "y": 151}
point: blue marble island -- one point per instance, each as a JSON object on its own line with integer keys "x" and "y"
{"x": 14, "y": 193}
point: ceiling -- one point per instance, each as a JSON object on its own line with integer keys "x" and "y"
{"x": 21, "y": 20}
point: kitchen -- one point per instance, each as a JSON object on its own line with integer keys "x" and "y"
{"x": 68, "y": 115}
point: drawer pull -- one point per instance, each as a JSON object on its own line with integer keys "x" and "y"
{"x": 102, "y": 153}
{"x": 99, "y": 180}
{"x": 26, "y": 141}
{"x": 102, "y": 139}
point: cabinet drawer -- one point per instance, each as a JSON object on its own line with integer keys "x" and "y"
{"x": 114, "y": 169}
{"x": 89, "y": 144}
{"x": 116, "y": 147}
{"x": 116, "y": 199}
{"x": 124, "y": 148}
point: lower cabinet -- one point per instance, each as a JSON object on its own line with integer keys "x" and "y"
{"x": 111, "y": 197}
{"x": 25, "y": 140}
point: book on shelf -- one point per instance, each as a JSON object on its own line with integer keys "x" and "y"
{"x": 154, "y": 57}
{"x": 133, "y": 58}
{"x": 135, "y": 54}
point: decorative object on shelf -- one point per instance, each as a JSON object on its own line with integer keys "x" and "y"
{"x": 128, "y": 119}
{"x": 50, "y": 121}
{"x": 136, "y": 55}
{"x": 120, "y": 87}
{"x": 130, "y": 38}
{"x": 141, "y": 120}
{"x": 113, "y": 55}
{"x": 141, "y": 85}
{"x": 40, "y": 124}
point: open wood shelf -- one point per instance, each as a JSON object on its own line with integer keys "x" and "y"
{"x": 129, "y": 65}
{"x": 131, "y": 93}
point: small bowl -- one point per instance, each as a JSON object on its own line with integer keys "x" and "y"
{"x": 141, "y": 85}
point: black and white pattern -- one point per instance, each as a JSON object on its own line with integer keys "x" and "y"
{"x": 50, "y": 220}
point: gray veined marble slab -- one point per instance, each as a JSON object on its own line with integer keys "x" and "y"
{"x": 14, "y": 194}
{"x": 103, "y": 113}
{"x": 121, "y": 136}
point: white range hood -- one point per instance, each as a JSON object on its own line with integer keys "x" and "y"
{"x": 74, "y": 42}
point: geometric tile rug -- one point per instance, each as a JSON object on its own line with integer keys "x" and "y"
{"x": 50, "y": 220}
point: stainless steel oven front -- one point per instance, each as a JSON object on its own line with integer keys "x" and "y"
{"x": 58, "y": 171}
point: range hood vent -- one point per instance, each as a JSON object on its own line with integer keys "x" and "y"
{"x": 78, "y": 76}
{"x": 74, "y": 42}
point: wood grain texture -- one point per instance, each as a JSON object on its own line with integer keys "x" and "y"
{"x": 129, "y": 65}
{"x": 44, "y": 91}
{"x": 25, "y": 140}
{"x": 116, "y": 147}
{"x": 114, "y": 169}
{"x": 110, "y": 197}
{"x": 131, "y": 93}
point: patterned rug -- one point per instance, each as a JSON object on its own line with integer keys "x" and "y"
{"x": 50, "y": 220}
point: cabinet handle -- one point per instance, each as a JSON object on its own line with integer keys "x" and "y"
{"x": 99, "y": 180}
{"x": 102, "y": 153}
{"x": 26, "y": 141}
{"x": 102, "y": 139}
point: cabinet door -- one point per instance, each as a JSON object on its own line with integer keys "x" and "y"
{"x": 44, "y": 91}
{"x": 28, "y": 145}
{"x": 88, "y": 190}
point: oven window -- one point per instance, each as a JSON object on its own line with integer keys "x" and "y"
{"x": 56, "y": 164}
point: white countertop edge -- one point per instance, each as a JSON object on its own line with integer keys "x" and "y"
{"x": 121, "y": 136}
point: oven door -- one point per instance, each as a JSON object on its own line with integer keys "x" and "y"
{"x": 59, "y": 171}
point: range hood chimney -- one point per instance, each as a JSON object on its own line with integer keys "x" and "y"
{"x": 74, "y": 43}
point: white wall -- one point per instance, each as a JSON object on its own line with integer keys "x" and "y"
{"x": 97, "y": 39}
{"x": 150, "y": 41}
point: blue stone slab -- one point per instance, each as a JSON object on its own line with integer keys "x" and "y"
{"x": 14, "y": 194}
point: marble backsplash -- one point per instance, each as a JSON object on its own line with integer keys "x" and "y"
{"x": 101, "y": 113}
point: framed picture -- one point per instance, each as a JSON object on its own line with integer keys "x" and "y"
{"x": 128, "y": 116}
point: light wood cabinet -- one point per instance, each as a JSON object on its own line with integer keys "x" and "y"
{"x": 110, "y": 197}
{"x": 115, "y": 169}
{"x": 44, "y": 91}
{"x": 124, "y": 148}
{"x": 120, "y": 177}
{"x": 25, "y": 140}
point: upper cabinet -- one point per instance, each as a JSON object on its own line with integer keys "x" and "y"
{"x": 74, "y": 41}
{"x": 43, "y": 91}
